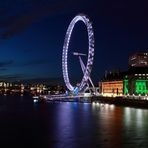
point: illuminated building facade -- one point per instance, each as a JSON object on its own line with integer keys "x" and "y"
{"x": 136, "y": 82}
{"x": 112, "y": 88}
{"x": 138, "y": 87}
{"x": 139, "y": 60}
{"x": 133, "y": 82}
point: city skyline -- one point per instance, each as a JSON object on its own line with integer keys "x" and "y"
{"x": 32, "y": 36}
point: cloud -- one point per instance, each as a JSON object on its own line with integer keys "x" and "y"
{"x": 48, "y": 81}
{"x": 28, "y": 50}
{"x": 22, "y": 78}
{"x": 6, "y": 63}
{"x": 36, "y": 62}
{"x": 3, "y": 69}
{"x": 18, "y": 23}
{"x": 12, "y": 77}
{"x": 10, "y": 63}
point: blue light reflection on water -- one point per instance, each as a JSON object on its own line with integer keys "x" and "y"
{"x": 68, "y": 123}
{"x": 100, "y": 125}
{"x": 71, "y": 125}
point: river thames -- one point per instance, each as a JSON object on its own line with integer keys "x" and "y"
{"x": 70, "y": 125}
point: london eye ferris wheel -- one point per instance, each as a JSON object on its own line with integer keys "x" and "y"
{"x": 90, "y": 57}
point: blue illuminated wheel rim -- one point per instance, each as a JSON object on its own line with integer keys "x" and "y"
{"x": 90, "y": 59}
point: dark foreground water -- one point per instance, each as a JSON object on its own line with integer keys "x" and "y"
{"x": 70, "y": 125}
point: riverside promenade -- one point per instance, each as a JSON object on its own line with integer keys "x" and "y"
{"x": 138, "y": 102}
{"x": 121, "y": 101}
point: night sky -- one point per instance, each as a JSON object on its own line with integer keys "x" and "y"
{"x": 32, "y": 34}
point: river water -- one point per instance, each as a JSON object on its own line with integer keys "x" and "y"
{"x": 70, "y": 125}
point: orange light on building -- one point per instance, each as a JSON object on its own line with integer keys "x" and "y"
{"x": 112, "y": 88}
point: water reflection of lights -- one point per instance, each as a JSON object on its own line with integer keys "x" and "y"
{"x": 139, "y": 114}
{"x": 112, "y": 106}
{"x": 97, "y": 103}
{"x": 86, "y": 103}
{"x": 109, "y": 106}
{"x": 105, "y": 106}
{"x": 127, "y": 114}
{"x": 134, "y": 116}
